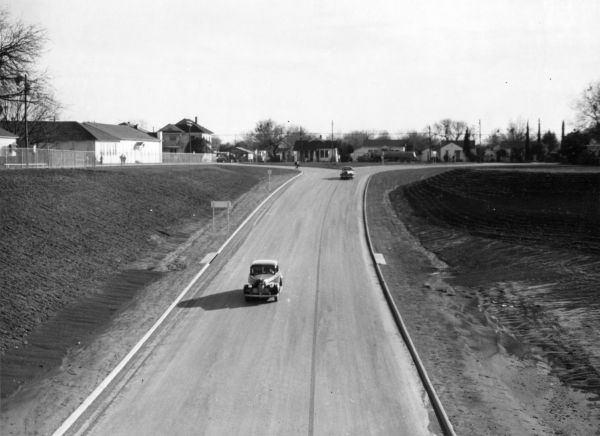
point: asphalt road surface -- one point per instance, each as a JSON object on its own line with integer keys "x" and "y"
{"x": 325, "y": 359}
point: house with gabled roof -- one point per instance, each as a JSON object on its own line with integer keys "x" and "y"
{"x": 451, "y": 152}
{"x": 371, "y": 147}
{"x": 186, "y": 136}
{"x": 317, "y": 151}
{"x": 109, "y": 143}
{"x": 123, "y": 144}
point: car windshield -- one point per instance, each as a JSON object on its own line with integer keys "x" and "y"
{"x": 262, "y": 269}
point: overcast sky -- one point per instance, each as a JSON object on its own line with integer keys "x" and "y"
{"x": 392, "y": 65}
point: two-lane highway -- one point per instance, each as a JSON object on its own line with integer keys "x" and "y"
{"x": 326, "y": 359}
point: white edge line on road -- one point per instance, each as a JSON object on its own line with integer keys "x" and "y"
{"x": 66, "y": 425}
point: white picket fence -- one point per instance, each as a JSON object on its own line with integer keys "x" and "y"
{"x": 46, "y": 158}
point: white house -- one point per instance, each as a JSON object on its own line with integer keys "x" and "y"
{"x": 124, "y": 144}
{"x": 316, "y": 151}
{"x": 110, "y": 143}
{"x": 451, "y": 152}
{"x": 7, "y": 141}
{"x": 374, "y": 147}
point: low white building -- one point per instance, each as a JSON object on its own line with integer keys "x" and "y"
{"x": 451, "y": 152}
{"x": 374, "y": 147}
{"x": 110, "y": 143}
{"x": 316, "y": 151}
{"x": 124, "y": 144}
{"x": 8, "y": 141}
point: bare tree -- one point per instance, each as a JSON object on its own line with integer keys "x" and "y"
{"x": 297, "y": 133}
{"x": 384, "y": 134}
{"x": 588, "y": 107}
{"x": 357, "y": 138}
{"x": 449, "y": 130}
{"x": 516, "y": 133}
{"x": 416, "y": 141}
{"x": 267, "y": 135}
{"x": 22, "y": 85}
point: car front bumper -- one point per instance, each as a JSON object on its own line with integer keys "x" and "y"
{"x": 264, "y": 293}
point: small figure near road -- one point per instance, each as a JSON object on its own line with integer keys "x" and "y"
{"x": 296, "y": 164}
{"x": 123, "y": 158}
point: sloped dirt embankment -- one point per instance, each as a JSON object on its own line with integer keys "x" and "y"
{"x": 69, "y": 241}
{"x": 507, "y": 319}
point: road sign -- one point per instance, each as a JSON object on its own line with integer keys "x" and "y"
{"x": 220, "y": 204}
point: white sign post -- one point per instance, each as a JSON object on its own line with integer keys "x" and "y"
{"x": 220, "y": 205}
{"x": 269, "y": 185}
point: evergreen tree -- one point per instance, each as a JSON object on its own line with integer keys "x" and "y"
{"x": 527, "y": 145}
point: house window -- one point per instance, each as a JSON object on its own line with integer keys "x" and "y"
{"x": 323, "y": 153}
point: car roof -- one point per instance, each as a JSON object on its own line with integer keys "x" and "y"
{"x": 264, "y": 262}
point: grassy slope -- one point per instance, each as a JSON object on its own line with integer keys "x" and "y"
{"x": 64, "y": 232}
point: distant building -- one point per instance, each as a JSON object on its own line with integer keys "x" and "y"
{"x": 594, "y": 148}
{"x": 376, "y": 146}
{"x": 242, "y": 154}
{"x": 184, "y": 136}
{"x": 316, "y": 151}
{"x": 451, "y": 152}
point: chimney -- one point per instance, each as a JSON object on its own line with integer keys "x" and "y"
{"x": 196, "y": 120}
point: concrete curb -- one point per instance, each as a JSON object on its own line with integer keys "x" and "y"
{"x": 440, "y": 413}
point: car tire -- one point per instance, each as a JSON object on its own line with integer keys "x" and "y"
{"x": 275, "y": 298}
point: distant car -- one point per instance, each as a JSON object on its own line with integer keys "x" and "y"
{"x": 347, "y": 173}
{"x": 264, "y": 281}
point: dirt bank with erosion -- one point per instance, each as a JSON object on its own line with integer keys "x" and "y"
{"x": 496, "y": 274}
{"x": 78, "y": 246}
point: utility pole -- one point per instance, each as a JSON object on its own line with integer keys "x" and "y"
{"x": 429, "y": 134}
{"x": 332, "y": 147}
{"x": 23, "y": 78}
{"x": 25, "y": 91}
{"x": 480, "y": 133}
{"x": 539, "y": 139}
{"x": 527, "y": 145}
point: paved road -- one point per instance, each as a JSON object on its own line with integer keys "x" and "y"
{"x": 325, "y": 359}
